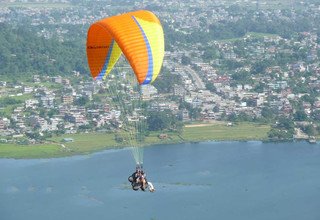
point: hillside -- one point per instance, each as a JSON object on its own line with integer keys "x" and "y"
{"x": 23, "y": 52}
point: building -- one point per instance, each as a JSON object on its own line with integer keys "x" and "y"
{"x": 148, "y": 92}
{"x": 77, "y": 119}
{"x": 67, "y": 99}
{"x": 27, "y": 89}
{"x": 31, "y": 103}
{"x": 184, "y": 115}
{"x": 47, "y": 101}
{"x": 4, "y": 123}
{"x": 178, "y": 90}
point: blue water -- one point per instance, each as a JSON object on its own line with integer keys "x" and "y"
{"x": 215, "y": 180}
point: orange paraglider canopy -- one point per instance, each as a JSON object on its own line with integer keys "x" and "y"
{"x": 138, "y": 35}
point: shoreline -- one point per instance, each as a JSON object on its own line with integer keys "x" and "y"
{"x": 64, "y": 154}
{"x": 115, "y": 148}
{"x": 88, "y": 143}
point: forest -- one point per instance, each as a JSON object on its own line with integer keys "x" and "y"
{"x": 23, "y": 52}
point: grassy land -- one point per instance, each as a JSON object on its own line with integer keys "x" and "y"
{"x": 49, "y": 85}
{"x": 260, "y": 35}
{"x": 242, "y": 131}
{"x": 7, "y": 110}
{"x": 34, "y": 151}
{"x": 23, "y": 97}
{"x": 87, "y": 143}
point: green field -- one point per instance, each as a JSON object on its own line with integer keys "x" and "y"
{"x": 7, "y": 110}
{"x": 32, "y": 151}
{"x": 84, "y": 143}
{"x": 22, "y": 98}
{"x": 261, "y": 35}
{"x": 91, "y": 142}
{"x": 219, "y": 132}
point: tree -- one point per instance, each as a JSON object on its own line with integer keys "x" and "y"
{"x": 33, "y": 135}
{"x": 9, "y": 101}
{"x": 279, "y": 134}
{"x": 210, "y": 54}
{"x": 211, "y": 87}
{"x": 232, "y": 117}
{"x": 22, "y": 51}
{"x": 300, "y": 115}
{"x": 184, "y": 105}
{"x": 268, "y": 112}
{"x": 61, "y": 129}
{"x": 185, "y": 60}
{"x": 242, "y": 77}
{"x": 285, "y": 123}
{"x": 259, "y": 67}
{"x": 259, "y": 87}
{"x": 85, "y": 127}
{"x": 161, "y": 120}
{"x": 81, "y": 101}
{"x": 52, "y": 112}
{"x": 216, "y": 108}
{"x": 232, "y": 64}
{"x": 42, "y": 112}
{"x": 195, "y": 113}
{"x": 316, "y": 115}
{"x": 179, "y": 127}
{"x": 166, "y": 81}
{"x": 309, "y": 98}
{"x": 118, "y": 138}
{"x": 310, "y": 130}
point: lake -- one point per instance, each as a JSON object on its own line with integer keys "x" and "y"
{"x": 213, "y": 180}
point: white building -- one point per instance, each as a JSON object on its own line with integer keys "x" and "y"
{"x": 148, "y": 92}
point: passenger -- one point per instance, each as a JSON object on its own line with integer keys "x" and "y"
{"x": 138, "y": 180}
{"x": 134, "y": 176}
{"x": 143, "y": 183}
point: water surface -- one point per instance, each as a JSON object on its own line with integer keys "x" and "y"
{"x": 215, "y": 180}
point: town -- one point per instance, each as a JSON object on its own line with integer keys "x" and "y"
{"x": 260, "y": 75}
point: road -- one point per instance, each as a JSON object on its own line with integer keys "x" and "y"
{"x": 197, "y": 80}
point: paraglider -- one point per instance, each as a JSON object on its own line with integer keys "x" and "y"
{"x": 138, "y": 180}
{"x": 139, "y": 37}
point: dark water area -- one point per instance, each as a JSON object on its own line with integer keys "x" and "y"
{"x": 214, "y": 180}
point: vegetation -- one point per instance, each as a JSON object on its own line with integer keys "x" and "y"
{"x": 85, "y": 143}
{"x": 283, "y": 130}
{"x": 160, "y": 120}
{"x": 166, "y": 81}
{"x": 32, "y": 151}
{"x": 220, "y": 131}
{"x": 22, "y": 52}
{"x": 34, "y": 4}
{"x": 249, "y": 24}
{"x": 236, "y": 48}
